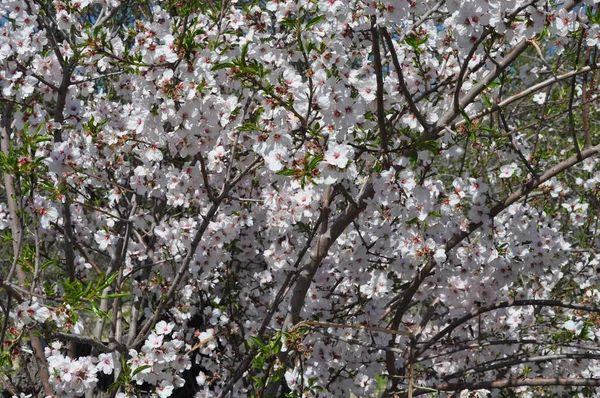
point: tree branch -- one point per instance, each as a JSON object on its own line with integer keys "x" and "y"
{"x": 75, "y": 338}
{"x": 402, "y": 84}
{"x": 508, "y": 383}
{"x": 447, "y": 118}
{"x": 505, "y": 304}
{"x": 184, "y": 267}
{"x": 319, "y": 252}
{"x": 505, "y": 363}
{"x": 380, "y": 102}
{"x": 533, "y": 183}
{"x": 17, "y": 236}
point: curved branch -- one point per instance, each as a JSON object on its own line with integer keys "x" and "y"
{"x": 466, "y": 345}
{"x": 505, "y": 304}
{"x": 456, "y": 103}
{"x": 508, "y": 383}
{"x": 326, "y": 238}
{"x": 532, "y": 184}
{"x": 446, "y": 119}
{"x": 517, "y": 361}
{"x": 531, "y": 90}
{"x": 184, "y": 267}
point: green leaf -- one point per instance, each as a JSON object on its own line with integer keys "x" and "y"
{"x": 586, "y": 332}
{"x": 257, "y": 381}
{"x": 314, "y": 162}
{"x": 310, "y": 46}
{"x": 431, "y": 146}
{"x": 415, "y": 41}
{"x": 314, "y": 21}
{"x": 467, "y": 118}
{"x": 276, "y": 377}
{"x": 412, "y": 221}
{"x": 108, "y": 281}
{"x": 303, "y": 227}
{"x": 413, "y": 157}
{"x": 248, "y": 127}
{"x": 289, "y": 23}
{"x": 287, "y": 172}
{"x": 472, "y": 135}
{"x": 243, "y": 54}
{"x": 95, "y": 309}
{"x": 140, "y": 369}
{"x": 487, "y": 101}
{"x": 493, "y": 132}
{"x": 222, "y": 66}
{"x": 116, "y": 385}
{"x": 257, "y": 341}
{"x": 49, "y": 264}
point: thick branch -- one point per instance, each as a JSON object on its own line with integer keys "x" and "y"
{"x": 326, "y": 238}
{"x": 477, "y": 344}
{"x": 319, "y": 252}
{"x": 532, "y": 184}
{"x": 281, "y": 294}
{"x": 68, "y": 238}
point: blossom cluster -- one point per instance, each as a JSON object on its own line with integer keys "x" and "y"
{"x": 301, "y": 196}
{"x": 73, "y": 377}
{"x": 161, "y": 360}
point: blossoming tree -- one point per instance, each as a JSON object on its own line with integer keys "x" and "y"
{"x": 299, "y": 198}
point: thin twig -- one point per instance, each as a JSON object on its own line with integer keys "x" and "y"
{"x": 402, "y": 84}
{"x": 380, "y": 102}
{"x": 347, "y": 326}
{"x": 572, "y": 99}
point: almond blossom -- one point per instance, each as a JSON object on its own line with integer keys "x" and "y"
{"x": 303, "y": 198}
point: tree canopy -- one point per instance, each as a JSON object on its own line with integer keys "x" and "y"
{"x": 299, "y": 198}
